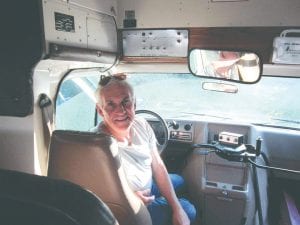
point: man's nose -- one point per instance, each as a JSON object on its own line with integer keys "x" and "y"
{"x": 120, "y": 108}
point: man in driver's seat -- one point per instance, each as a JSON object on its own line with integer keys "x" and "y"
{"x": 143, "y": 166}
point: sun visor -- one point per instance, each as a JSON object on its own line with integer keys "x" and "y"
{"x": 75, "y": 32}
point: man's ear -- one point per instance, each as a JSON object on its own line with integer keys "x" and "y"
{"x": 134, "y": 104}
{"x": 99, "y": 109}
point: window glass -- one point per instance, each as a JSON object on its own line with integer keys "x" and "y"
{"x": 75, "y": 103}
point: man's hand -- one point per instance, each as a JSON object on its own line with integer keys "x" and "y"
{"x": 180, "y": 217}
{"x": 145, "y": 196}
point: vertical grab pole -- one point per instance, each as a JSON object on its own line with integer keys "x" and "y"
{"x": 256, "y": 184}
{"x": 257, "y": 195}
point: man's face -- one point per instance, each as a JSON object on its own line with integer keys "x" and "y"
{"x": 117, "y": 107}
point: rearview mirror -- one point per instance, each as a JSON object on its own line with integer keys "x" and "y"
{"x": 238, "y": 66}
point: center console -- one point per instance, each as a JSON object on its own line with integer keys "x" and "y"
{"x": 222, "y": 189}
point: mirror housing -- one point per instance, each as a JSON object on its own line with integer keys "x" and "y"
{"x": 236, "y": 66}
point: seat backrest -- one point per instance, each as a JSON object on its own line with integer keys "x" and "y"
{"x": 32, "y": 199}
{"x": 16, "y": 211}
{"x": 92, "y": 161}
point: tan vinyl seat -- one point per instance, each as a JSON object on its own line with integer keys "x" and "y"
{"x": 91, "y": 160}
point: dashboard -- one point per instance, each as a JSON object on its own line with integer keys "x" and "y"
{"x": 275, "y": 141}
{"x": 221, "y": 185}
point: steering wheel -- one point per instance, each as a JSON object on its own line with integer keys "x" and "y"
{"x": 162, "y": 144}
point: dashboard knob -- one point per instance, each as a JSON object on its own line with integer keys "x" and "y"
{"x": 174, "y": 125}
{"x": 187, "y": 126}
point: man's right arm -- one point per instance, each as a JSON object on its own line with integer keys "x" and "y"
{"x": 145, "y": 196}
{"x": 165, "y": 186}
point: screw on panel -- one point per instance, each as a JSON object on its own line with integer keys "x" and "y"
{"x": 99, "y": 53}
{"x": 55, "y": 48}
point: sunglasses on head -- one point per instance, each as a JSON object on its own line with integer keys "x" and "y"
{"x": 104, "y": 80}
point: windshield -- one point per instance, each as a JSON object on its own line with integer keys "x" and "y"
{"x": 272, "y": 101}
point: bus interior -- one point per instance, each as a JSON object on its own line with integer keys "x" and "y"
{"x": 217, "y": 80}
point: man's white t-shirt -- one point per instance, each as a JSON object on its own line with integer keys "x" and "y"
{"x": 136, "y": 157}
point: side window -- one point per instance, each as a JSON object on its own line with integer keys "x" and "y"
{"x": 75, "y": 102}
{"x": 68, "y": 90}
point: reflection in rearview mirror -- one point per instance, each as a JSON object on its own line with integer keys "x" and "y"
{"x": 229, "y": 65}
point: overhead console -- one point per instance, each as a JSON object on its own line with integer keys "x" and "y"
{"x": 75, "y": 32}
{"x": 162, "y": 43}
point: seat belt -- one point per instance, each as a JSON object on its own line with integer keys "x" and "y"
{"x": 46, "y": 106}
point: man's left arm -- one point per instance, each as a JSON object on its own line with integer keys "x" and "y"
{"x": 165, "y": 186}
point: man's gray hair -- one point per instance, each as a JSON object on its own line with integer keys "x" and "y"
{"x": 100, "y": 88}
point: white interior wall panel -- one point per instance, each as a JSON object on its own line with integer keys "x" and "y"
{"x": 211, "y": 13}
